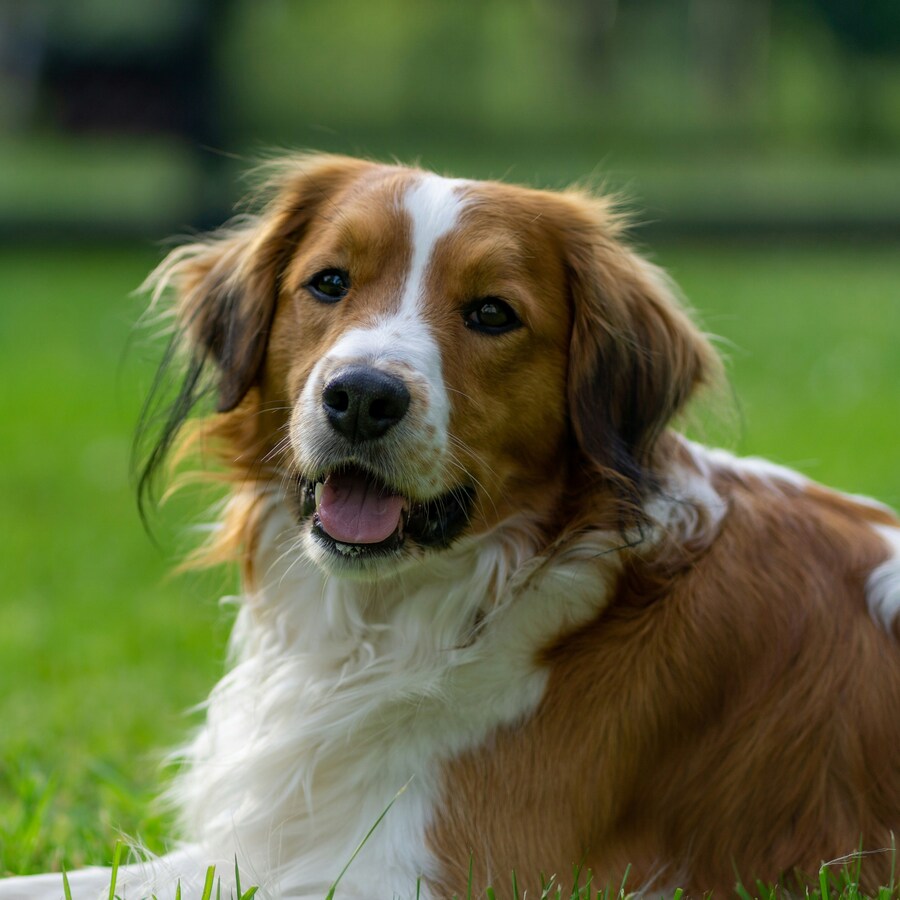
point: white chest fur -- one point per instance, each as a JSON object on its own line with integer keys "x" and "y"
{"x": 344, "y": 693}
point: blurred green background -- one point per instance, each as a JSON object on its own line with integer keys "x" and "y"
{"x": 759, "y": 144}
{"x": 725, "y": 113}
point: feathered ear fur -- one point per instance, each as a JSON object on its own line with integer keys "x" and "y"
{"x": 636, "y": 357}
{"x": 226, "y": 288}
{"x": 227, "y": 284}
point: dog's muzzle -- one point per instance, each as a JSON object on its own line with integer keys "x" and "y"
{"x": 355, "y": 510}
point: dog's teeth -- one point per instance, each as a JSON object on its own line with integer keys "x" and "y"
{"x": 347, "y": 549}
{"x": 319, "y": 488}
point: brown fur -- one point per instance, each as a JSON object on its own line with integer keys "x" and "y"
{"x": 634, "y": 357}
{"x": 736, "y": 718}
{"x": 734, "y": 712}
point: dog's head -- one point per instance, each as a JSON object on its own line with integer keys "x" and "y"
{"x": 418, "y": 358}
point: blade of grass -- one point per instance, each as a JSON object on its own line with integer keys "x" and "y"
{"x": 239, "y": 891}
{"x": 208, "y": 884}
{"x": 823, "y": 881}
{"x": 624, "y": 879}
{"x": 36, "y": 820}
{"x": 114, "y": 874}
{"x": 547, "y": 886}
{"x": 66, "y": 889}
{"x": 859, "y": 858}
{"x": 362, "y": 843}
{"x": 893, "y": 862}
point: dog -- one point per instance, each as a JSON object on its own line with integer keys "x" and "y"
{"x": 498, "y": 616}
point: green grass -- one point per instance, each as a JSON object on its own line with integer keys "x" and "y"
{"x": 838, "y": 879}
{"x": 100, "y": 651}
{"x": 812, "y": 335}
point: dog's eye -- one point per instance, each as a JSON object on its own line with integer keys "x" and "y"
{"x": 329, "y": 285}
{"x": 491, "y": 315}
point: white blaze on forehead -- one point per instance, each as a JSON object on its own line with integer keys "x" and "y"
{"x": 433, "y": 205}
{"x": 402, "y": 340}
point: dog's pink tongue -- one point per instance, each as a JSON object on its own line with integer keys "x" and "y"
{"x": 354, "y": 511}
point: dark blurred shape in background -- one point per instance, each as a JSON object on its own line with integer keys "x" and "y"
{"x": 132, "y": 119}
{"x": 150, "y": 72}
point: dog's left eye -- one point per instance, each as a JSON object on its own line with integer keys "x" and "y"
{"x": 329, "y": 285}
{"x": 491, "y": 315}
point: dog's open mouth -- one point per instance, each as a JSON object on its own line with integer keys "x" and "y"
{"x": 355, "y": 514}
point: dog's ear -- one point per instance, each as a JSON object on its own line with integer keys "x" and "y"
{"x": 636, "y": 356}
{"x": 227, "y": 284}
{"x": 226, "y": 288}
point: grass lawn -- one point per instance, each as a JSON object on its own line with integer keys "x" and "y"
{"x": 100, "y": 652}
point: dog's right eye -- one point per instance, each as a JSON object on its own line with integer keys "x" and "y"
{"x": 490, "y": 315}
{"x": 329, "y": 285}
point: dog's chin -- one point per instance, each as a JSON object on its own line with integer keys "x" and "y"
{"x": 396, "y": 532}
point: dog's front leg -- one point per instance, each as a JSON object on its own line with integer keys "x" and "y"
{"x": 85, "y": 884}
{"x": 159, "y": 876}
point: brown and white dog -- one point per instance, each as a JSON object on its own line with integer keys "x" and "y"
{"x": 479, "y": 566}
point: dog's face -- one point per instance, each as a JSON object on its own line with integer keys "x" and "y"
{"x": 425, "y": 364}
{"x": 427, "y": 357}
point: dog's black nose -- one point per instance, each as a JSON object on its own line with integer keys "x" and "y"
{"x": 362, "y": 403}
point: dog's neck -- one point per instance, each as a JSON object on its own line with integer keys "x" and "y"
{"x": 430, "y": 610}
{"x": 445, "y": 602}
